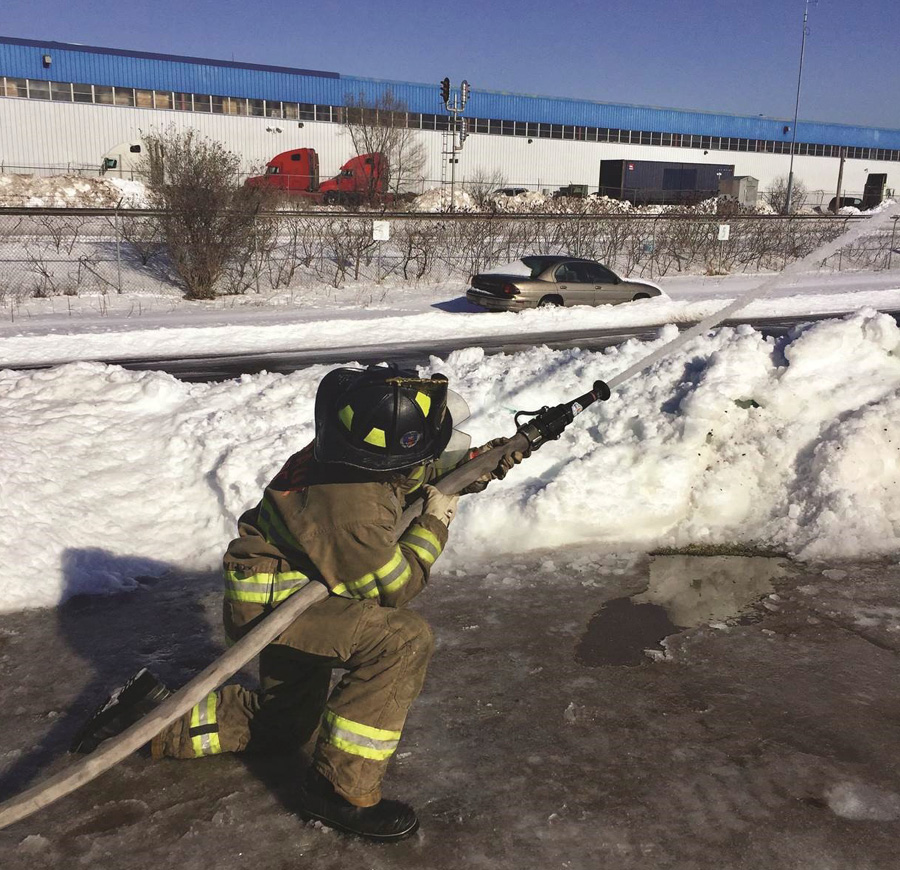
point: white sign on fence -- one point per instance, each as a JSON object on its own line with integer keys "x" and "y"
{"x": 724, "y": 232}
{"x": 381, "y": 231}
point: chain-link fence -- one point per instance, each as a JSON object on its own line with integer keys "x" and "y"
{"x": 51, "y": 253}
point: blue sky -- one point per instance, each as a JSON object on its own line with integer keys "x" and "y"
{"x": 737, "y": 56}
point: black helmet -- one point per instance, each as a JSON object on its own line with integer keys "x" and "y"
{"x": 381, "y": 418}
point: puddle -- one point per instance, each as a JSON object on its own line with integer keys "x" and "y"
{"x": 683, "y": 592}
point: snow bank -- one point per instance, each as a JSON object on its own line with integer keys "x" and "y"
{"x": 107, "y": 474}
{"x": 438, "y": 199}
{"x": 70, "y": 191}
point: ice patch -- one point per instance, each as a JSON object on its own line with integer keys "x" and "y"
{"x": 862, "y": 802}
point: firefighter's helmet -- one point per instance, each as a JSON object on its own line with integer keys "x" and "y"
{"x": 381, "y": 418}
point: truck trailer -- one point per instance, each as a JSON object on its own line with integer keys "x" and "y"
{"x": 658, "y": 182}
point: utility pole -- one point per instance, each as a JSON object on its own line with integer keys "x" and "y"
{"x": 837, "y": 201}
{"x": 458, "y": 132}
{"x": 790, "y": 183}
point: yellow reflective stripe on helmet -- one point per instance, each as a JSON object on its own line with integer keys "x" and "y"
{"x": 423, "y": 400}
{"x": 346, "y": 416}
{"x": 423, "y": 543}
{"x": 377, "y": 438}
{"x": 204, "y": 730}
{"x": 376, "y": 744}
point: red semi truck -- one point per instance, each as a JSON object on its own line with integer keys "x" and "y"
{"x": 296, "y": 172}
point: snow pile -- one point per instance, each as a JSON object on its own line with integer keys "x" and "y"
{"x": 133, "y": 194}
{"x": 108, "y": 474}
{"x": 69, "y": 191}
{"x": 438, "y": 199}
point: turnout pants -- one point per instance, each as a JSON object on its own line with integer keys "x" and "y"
{"x": 385, "y": 652}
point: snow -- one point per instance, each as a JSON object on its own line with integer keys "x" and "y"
{"x": 108, "y": 475}
{"x": 70, "y": 191}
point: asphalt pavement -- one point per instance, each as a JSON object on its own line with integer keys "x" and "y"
{"x": 764, "y": 736}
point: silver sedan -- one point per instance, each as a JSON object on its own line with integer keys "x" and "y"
{"x": 555, "y": 280}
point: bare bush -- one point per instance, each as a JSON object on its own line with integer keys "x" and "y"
{"x": 482, "y": 185}
{"x": 207, "y": 217}
{"x": 379, "y": 126}
{"x": 776, "y": 195}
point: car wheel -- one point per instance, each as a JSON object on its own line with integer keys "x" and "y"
{"x": 546, "y": 301}
{"x": 330, "y": 198}
{"x": 640, "y": 296}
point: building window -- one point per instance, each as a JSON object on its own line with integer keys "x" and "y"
{"x": 256, "y": 108}
{"x": 323, "y": 113}
{"x": 103, "y": 94}
{"x": 61, "y": 91}
{"x": 143, "y": 99}
{"x": 38, "y": 90}
{"x": 162, "y": 99}
{"x": 556, "y": 131}
{"x": 123, "y": 96}
{"x": 82, "y": 93}
{"x": 307, "y": 111}
{"x": 291, "y": 111}
{"x": 15, "y": 88}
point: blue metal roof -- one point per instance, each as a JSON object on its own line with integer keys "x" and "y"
{"x": 22, "y": 58}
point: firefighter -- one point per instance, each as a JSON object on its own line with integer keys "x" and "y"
{"x": 330, "y": 515}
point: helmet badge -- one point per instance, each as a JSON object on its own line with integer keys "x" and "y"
{"x": 410, "y": 439}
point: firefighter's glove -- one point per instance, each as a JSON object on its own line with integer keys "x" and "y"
{"x": 503, "y": 466}
{"x": 439, "y": 505}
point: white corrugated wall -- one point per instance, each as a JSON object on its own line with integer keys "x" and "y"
{"x": 43, "y": 134}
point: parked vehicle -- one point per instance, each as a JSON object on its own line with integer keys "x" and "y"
{"x": 509, "y": 191}
{"x": 576, "y": 191}
{"x": 555, "y": 280}
{"x": 845, "y": 201}
{"x": 659, "y": 182}
{"x": 125, "y": 160}
{"x": 296, "y": 172}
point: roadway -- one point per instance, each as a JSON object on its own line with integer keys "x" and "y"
{"x": 222, "y": 367}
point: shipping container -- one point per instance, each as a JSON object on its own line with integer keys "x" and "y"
{"x": 658, "y": 182}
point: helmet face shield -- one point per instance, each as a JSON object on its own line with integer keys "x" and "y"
{"x": 458, "y": 408}
{"x": 456, "y": 450}
{"x": 381, "y": 418}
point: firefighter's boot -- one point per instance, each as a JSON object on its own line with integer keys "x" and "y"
{"x": 386, "y": 821}
{"x": 141, "y": 694}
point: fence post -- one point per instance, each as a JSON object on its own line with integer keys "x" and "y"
{"x": 891, "y": 248}
{"x": 118, "y": 248}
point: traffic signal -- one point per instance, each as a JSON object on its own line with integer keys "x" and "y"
{"x": 464, "y": 92}
{"x": 445, "y": 90}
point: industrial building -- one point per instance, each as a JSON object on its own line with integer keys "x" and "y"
{"x": 63, "y": 106}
